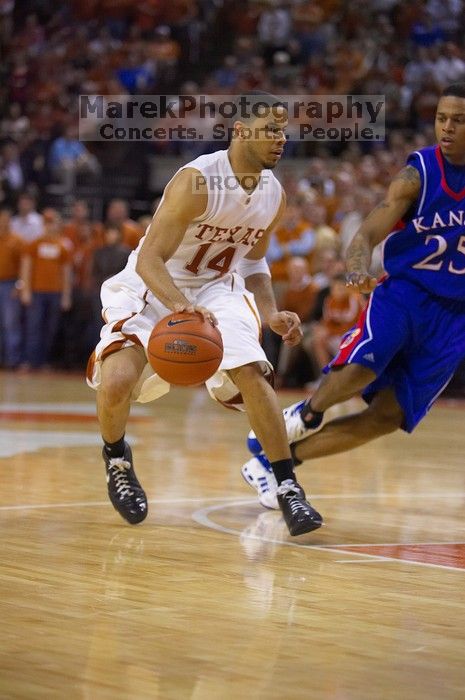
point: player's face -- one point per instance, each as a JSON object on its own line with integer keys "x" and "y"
{"x": 450, "y": 128}
{"x": 267, "y": 144}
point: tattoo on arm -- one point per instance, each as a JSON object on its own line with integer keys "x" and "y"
{"x": 408, "y": 174}
{"x": 381, "y": 205}
{"x": 358, "y": 255}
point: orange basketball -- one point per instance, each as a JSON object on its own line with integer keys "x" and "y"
{"x": 183, "y": 349}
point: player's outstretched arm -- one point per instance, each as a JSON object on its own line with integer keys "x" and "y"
{"x": 402, "y": 193}
{"x": 185, "y": 199}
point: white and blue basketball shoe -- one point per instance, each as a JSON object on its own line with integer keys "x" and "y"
{"x": 257, "y": 471}
{"x": 296, "y": 428}
{"x": 289, "y": 497}
{"x": 258, "y": 474}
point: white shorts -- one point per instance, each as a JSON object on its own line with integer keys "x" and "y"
{"x": 131, "y": 317}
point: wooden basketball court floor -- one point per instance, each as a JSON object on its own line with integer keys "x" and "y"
{"x": 210, "y": 599}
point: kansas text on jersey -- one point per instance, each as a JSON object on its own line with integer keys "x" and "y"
{"x": 428, "y": 246}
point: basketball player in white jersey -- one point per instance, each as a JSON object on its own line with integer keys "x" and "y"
{"x": 204, "y": 252}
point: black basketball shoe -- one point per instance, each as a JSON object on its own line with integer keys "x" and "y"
{"x": 299, "y": 515}
{"x": 126, "y": 494}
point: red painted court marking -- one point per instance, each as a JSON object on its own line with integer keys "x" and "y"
{"x": 450, "y": 402}
{"x": 452, "y": 555}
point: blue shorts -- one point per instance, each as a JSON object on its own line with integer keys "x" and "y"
{"x": 412, "y": 340}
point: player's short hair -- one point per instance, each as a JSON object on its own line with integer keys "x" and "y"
{"x": 255, "y": 104}
{"x": 454, "y": 90}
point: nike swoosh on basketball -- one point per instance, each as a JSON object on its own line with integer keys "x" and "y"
{"x": 175, "y": 323}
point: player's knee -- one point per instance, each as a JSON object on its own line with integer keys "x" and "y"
{"x": 386, "y": 416}
{"x": 117, "y": 385}
{"x": 246, "y": 374}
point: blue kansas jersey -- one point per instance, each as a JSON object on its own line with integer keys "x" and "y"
{"x": 428, "y": 246}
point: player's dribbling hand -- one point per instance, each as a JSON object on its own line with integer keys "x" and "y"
{"x": 364, "y": 283}
{"x": 287, "y": 325}
{"x": 201, "y": 310}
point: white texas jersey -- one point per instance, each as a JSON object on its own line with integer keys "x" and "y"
{"x": 233, "y": 222}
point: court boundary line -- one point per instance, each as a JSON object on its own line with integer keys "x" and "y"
{"x": 201, "y": 517}
{"x": 90, "y": 504}
{"x": 358, "y": 561}
{"x": 339, "y": 548}
{"x": 336, "y": 496}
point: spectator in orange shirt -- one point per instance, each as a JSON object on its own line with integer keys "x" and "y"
{"x": 77, "y": 226}
{"x": 118, "y": 217}
{"x": 85, "y": 235}
{"x": 77, "y": 331}
{"x": 344, "y": 184}
{"x": 46, "y": 277}
{"x": 294, "y": 236}
{"x": 300, "y": 296}
{"x": 300, "y": 292}
{"x": 10, "y": 309}
{"x": 341, "y": 309}
{"x": 325, "y": 236}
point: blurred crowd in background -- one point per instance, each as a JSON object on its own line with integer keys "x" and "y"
{"x": 71, "y": 211}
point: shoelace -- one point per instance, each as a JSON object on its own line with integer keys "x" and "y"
{"x": 119, "y": 469}
{"x": 294, "y": 501}
{"x": 297, "y": 506}
{"x": 287, "y": 486}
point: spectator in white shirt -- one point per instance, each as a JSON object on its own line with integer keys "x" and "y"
{"x": 449, "y": 66}
{"x": 27, "y": 224}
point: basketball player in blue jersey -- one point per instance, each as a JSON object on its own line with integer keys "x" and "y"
{"x": 411, "y": 337}
{"x": 204, "y": 252}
